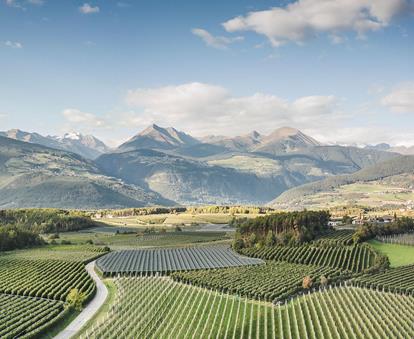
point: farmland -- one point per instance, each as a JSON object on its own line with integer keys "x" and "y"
{"x": 399, "y": 255}
{"x": 399, "y": 279}
{"x": 355, "y": 258}
{"x": 151, "y": 307}
{"x": 272, "y": 282}
{"x": 108, "y": 237}
{"x": 23, "y": 316}
{"x": 34, "y": 285}
{"x": 399, "y": 239}
{"x": 168, "y": 260}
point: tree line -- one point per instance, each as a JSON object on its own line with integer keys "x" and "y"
{"x": 371, "y": 230}
{"x": 280, "y": 228}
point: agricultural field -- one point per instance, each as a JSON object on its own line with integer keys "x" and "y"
{"x": 399, "y": 239}
{"x": 272, "y": 282}
{"x": 357, "y": 258}
{"x": 156, "y": 307}
{"x": 149, "y": 261}
{"x": 169, "y": 219}
{"x": 118, "y": 241}
{"x": 335, "y": 237}
{"x": 398, "y": 279}
{"x": 25, "y": 316}
{"x": 399, "y": 255}
{"x": 34, "y": 285}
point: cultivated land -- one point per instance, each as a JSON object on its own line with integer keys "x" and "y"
{"x": 34, "y": 285}
{"x": 163, "y": 282}
{"x": 399, "y": 255}
{"x": 154, "y": 307}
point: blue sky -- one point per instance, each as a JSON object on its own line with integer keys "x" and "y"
{"x": 342, "y": 74}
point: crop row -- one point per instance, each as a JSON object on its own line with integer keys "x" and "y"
{"x": 151, "y": 307}
{"x": 355, "y": 258}
{"x": 339, "y": 237}
{"x": 52, "y": 279}
{"x": 399, "y": 279}
{"x": 26, "y": 317}
{"x": 272, "y": 282}
{"x": 173, "y": 259}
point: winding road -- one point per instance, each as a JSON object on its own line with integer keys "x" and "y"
{"x": 90, "y": 310}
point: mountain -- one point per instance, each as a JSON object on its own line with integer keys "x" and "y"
{"x": 187, "y": 181}
{"x": 395, "y": 169}
{"x": 285, "y": 140}
{"x": 164, "y": 166}
{"x": 281, "y": 141}
{"x": 405, "y": 150}
{"x": 85, "y": 145}
{"x": 32, "y": 175}
{"x": 156, "y": 137}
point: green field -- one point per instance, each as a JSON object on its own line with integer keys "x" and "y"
{"x": 159, "y": 307}
{"x": 399, "y": 255}
{"x": 34, "y": 284}
{"x": 136, "y": 240}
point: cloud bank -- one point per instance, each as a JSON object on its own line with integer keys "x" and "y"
{"x": 304, "y": 19}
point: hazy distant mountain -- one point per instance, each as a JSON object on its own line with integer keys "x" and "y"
{"x": 187, "y": 181}
{"x": 398, "y": 149}
{"x": 166, "y": 166}
{"x": 301, "y": 195}
{"x": 32, "y": 175}
{"x": 156, "y": 137}
{"x": 86, "y": 145}
{"x": 281, "y": 141}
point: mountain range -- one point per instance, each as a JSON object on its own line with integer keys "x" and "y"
{"x": 165, "y": 166}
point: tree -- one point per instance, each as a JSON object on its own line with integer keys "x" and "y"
{"x": 324, "y": 281}
{"x": 75, "y": 299}
{"x": 307, "y": 282}
{"x": 270, "y": 239}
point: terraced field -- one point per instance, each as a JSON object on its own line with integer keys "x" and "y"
{"x": 165, "y": 260}
{"x": 154, "y": 307}
{"x": 272, "y": 282}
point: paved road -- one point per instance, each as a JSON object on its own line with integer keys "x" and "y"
{"x": 89, "y": 311}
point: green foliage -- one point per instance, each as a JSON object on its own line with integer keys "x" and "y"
{"x": 274, "y": 281}
{"x": 40, "y": 220}
{"x": 287, "y": 227}
{"x": 12, "y": 237}
{"x": 24, "y": 317}
{"x": 75, "y": 299}
{"x": 399, "y": 280}
{"x": 371, "y": 230}
{"x": 357, "y": 258}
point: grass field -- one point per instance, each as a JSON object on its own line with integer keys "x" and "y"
{"x": 399, "y": 255}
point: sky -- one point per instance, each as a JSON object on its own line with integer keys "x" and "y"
{"x": 340, "y": 70}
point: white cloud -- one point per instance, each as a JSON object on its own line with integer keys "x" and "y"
{"x": 83, "y": 119}
{"x": 88, "y": 9}
{"x": 20, "y": 3}
{"x": 219, "y": 42}
{"x": 203, "y": 109}
{"x": 13, "y": 44}
{"x": 400, "y": 99}
{"x": 304, "y": 19}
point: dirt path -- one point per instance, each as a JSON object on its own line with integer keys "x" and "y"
{"x": 90, "y": 310}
